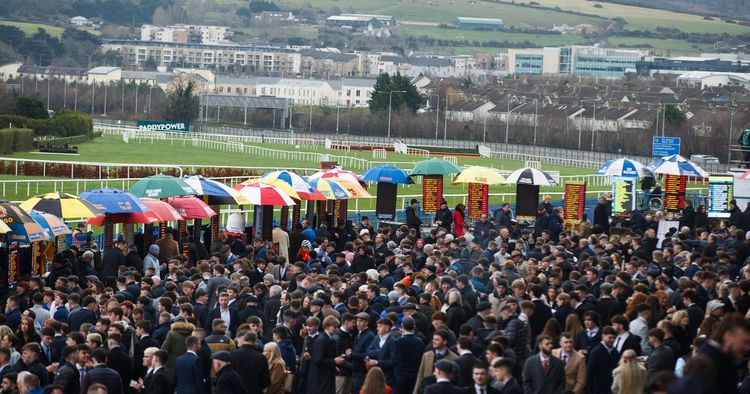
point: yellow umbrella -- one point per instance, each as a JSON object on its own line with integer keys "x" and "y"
{"x": 62, "y": 205}
{"x": 354, "y": 188}
{"x": 285, "y": 187}
{"x": 479, "y": 174}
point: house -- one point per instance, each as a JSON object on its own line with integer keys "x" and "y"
{"x": 80, "y": 21}
{"x": 478, "y": 23}
{"x": 469, "y": 110}
{"x": 275, "y": 18}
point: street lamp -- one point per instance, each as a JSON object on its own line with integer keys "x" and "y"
{"x": 593, "y": 125}
{"x": 507, "y": 116}
{"x": 390, "y": 106}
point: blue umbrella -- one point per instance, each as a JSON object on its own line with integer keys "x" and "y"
{"x": 625, "y": 168}
{"x": 50, "y": 223}
{"x": 114, "y": 201}
{"x": 387, "y": 174}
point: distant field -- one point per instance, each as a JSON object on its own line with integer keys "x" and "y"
{"x": 31, "y": 28}
{"x": 660, "y": 46}
{"x": 647, "y": 18}
{"x": 483, "y": 36}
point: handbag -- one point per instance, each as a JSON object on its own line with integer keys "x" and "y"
{"x": 288, "y": 382}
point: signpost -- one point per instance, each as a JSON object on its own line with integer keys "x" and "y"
{"x": 674, "y": 192}
{"x": 149, "y": 125}
{"x": 527, "y": 201}
{"x": 665, "y": 146}
{"x": 720, "y": 193}
{"x": 575, "y": 203}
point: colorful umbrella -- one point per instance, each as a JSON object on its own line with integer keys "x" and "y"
{"x": 147, "y": 217}
{"x": 300, "y": 185}
{"x": 331, "y": 189}
{"x": 354, "y": 188}
{"x": 216, "y": 192}
{"x": 623, "y": 168}
{"x": 262, "y": 194}
{"x": 164, "y": 211}
{"x": 337, "y": 173}
{"x": 435, "y": 167}
{"x": 161, "y": 186}
{"x": 479, "y": 174}
{"x": 530, "y": 176}
{"x": 51, "y": 223}
{"x": 113, "y": 201}
{"x": 676, "y": 165}
{"x": 62, "y": 205}
{"x": 23, "y": 227}
{"x": 191, "y": 207}
{"x": 285, "y": 187}
{"x": 4, "y": 228}
{"x": 387, "y": 174}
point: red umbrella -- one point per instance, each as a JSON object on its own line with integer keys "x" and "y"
{"x": 147, "y": 217}
{"x": 164, "y": 211}
{"x": 191, "y": 207}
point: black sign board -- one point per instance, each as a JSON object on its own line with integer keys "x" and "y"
{"x": 385, "y": 205}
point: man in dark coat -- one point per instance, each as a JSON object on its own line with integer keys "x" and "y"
{"x": 542, "y": 372}
{"x": 157, "y": 382}
{"x": 323, "y": 360}
{"x": 412, "y": 218}
{"x": 117, "y": 359}
{"x": 30, "y": 362}
{"x": 408, "y": 354}
{"x": 112, "y": 260}
{"x": 602, "y": 360}
{"x": 227, "y": 379}
{"x": 189, "y": 376}
{"x": 68, "y": 377}
{"x": 444, "y": 216}
{"x": 250, "y": 364}
{"x": 102, "y": 374}
{"x": 83, "y": 315}
{"x": 601, "y": 216}
{"x": 362, "y": 343}
{"x": 444, "y": 370}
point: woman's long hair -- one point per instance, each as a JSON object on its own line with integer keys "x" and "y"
{"x": 573, "y": 324}
{"x": 374, "y": 382}
{"x": 629, "y": 374}
{"x": 553, "y": 329}
{"x": 274, "y": 354}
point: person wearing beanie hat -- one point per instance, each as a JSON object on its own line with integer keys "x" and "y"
{"x": 151, "y": 261}
{"x": 228, "y": 381}
{"x": 444, "y": 216}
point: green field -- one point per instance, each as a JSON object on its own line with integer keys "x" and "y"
{"x": 31, "y": 28}
{"x": 647, "y": 18}
{"x": 484, "y": 36}
{"x": 111, "y": 149}
{"x": 660, "y": 46}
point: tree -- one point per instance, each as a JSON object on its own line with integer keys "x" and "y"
{"x": 674, "y": 116}
{"x": 183, "y": 103}
{"x": 30, "y": 107}
{"x": 385, "y": 84}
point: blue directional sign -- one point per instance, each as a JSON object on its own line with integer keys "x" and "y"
{"x": 665, "y": 146}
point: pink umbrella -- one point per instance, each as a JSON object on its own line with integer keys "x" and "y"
{"x": 191, "y": 207}
{"x": 164, "y": 211}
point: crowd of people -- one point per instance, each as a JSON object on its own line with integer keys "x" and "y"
{"x": 482, "y": 307}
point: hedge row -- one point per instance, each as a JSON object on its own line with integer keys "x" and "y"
{"x": 16, "y": 140}
{"x": 63, "y": 124}
{"x": 74, "y": 140}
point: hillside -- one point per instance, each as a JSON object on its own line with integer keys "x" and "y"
{"x": 732, "y": 9}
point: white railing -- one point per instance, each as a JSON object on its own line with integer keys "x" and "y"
{"x": 399, "y": 147}
{"x": 379, "y": 154}
{"x": 452, "y": 159}
{"x": 536, "y": 164}
{"x": 484, "y": 151}
{"x": 417, "y": 152}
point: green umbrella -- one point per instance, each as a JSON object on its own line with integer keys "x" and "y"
{"x": 435, "y": 167}
{"x": 161, "y": 186}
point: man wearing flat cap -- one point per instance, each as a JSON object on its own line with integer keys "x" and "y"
{"x": 227, "y": 380}
{"x": 412, "y": 218}
{"x": 445, "y": 371}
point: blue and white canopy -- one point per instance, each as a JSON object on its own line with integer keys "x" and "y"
{"x": 625, "y": 168}
{"x": 676, "y": 165}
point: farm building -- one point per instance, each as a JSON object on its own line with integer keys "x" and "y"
{"x": 478, "y": 23}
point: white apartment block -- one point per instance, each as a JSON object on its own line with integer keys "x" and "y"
{"x": 196, "y": 34}
{"x": 259, "y": 58}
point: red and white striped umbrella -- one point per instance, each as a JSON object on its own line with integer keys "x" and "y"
{"x": 338, "y": 173}
{"x": 163, "y": 210}
{"x": 264, "y": 194}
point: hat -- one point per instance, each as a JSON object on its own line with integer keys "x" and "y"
{"x": 483, "y": 306}
{"x": 153, "y": 249}
{"x": 200, "y": 292}
{"x": 413, "y": 201}
{"x": 408, "y": 323}
{"x": 317, "y": 302}
{"x": 222, "y": 356}
{"x": 401, "y": 256}
{"x": 363, "y": 316}
{"x": 252, "y": 298}
{"x": 714, "y": 305}
{"x": 409, "y": 306}
{"x": 364, "y": 231}
{"x": 447, "y": 366}
{"x": 150, "y": 351}
{"x": 270, "y": 278}
{"x": 306, "y": 244}
{"x": 225, "y": 249}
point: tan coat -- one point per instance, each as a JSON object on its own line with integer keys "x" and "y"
{"x": 278, "y": 375}
{"x": 427, "y": 366}
{"x": 575, "y": 371}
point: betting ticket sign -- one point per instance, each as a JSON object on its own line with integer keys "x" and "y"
{"x": 720, "y": 193}
{"x": 432, "y": 192}
{"x": 674, "y": 192}
{"x": 575, "y": 203}
{"x": 478, "y": 200}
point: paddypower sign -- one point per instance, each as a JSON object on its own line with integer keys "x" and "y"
{"x": 148, "y": 125}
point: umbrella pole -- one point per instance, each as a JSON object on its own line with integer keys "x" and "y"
{"x": 108, "y": 234}
{"x": 284, "y": 218}
{"x": 215, "y": 222}
{"x": 296, "y": 211}
{"x": 197, "y": 229}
